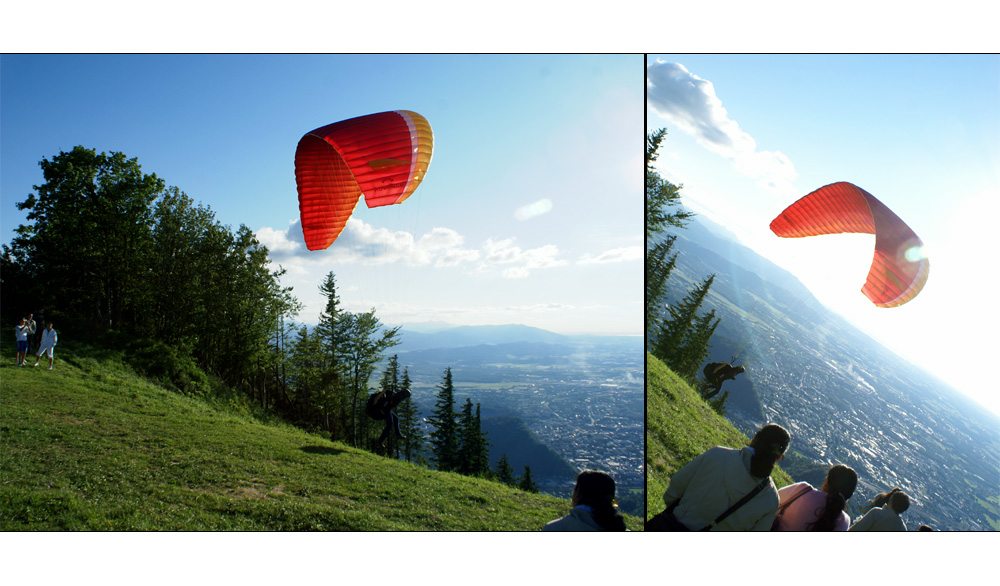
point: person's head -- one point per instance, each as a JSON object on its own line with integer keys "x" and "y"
{"x": 593, "y": 488}
{"x": 899, "y": 502}
{"x": 769, "y": 445}
{"x": 840, "y": 480}
{"x": 596, "y": 490}
{"x": 49, "y": 326}
{"x": 23, "y": 320}
{"x": 839, "y": 486}
{"x": 925, "y": 528}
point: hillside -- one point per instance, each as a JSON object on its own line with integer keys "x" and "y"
{"x": 679, "y": 427}
{"x": 92, "y": 446}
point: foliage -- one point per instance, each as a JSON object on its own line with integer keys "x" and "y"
{"x": 526, "y": 482}
{"x": 677, "y": 335}
{"x": 473, "y": 451}
{"x": 444, "y": 439}
{"x": 661, "y": 194}
{"x": 504, "y": 473}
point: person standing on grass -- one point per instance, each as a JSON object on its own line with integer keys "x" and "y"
{"x": 48, "y": 345}
{"x": 21, "y": 331}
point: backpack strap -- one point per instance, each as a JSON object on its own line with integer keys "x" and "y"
{"x": 738, "y": 504}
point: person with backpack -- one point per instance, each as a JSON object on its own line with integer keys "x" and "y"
{"x": 593, "y": 503}
{"x": 380, "y": 406}
{"x": 804, "y": 508}
{"x": 725, "y": 489}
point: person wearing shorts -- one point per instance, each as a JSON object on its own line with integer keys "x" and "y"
{"x": 22, "y": 340}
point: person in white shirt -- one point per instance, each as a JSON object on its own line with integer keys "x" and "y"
{"x": 719, "y": 478}
{"x": 48, "y": 345}
{"x": 21, "y": 331}
{"x": 885, "y": 518}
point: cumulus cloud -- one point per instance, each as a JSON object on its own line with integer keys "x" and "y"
{"x": 363, "y": 243}
{"x": 505, "y": 252}
{"x": 690, "y": 103}
{"x": 627, "y": 253}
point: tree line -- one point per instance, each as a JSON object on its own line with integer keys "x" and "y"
{"x": 117, "y": 258}
{"x": 676, "y": 332}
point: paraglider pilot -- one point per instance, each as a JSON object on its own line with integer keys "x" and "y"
{"x": 380, "y": 406}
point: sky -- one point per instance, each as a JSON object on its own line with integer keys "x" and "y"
{"x": 530, "y": 213}
{"x": 749, "y": 135}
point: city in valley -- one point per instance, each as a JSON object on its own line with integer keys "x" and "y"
{"x": 585, "y": 401}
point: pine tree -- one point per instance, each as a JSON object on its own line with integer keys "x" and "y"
{"x": 504, "y": 472}
{"x": 474, "y": 450}
{"x": 681, "y": 341}
{"x": 661, "y": 194}
{"x": 467, "y": 439}
{"x": 390, "y": 384}
{"x": 659, "y": 264}
{"x": 444, "y": 439}
{"x": 526, "y": 482}
{"x": 676, "y": 334}
{"x": 481, "y": 458}
{"x": 409, "y": 424}
{"x": 333, "y": 331}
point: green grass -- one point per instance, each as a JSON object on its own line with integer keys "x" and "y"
{"x": 679, "y": 427}
{"x": 92, "y": 446}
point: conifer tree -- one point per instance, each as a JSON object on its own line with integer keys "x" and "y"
{"x": 504, "y": 472}
{"x": 676, "y": 333}
{"x": 467, "y": 439}
{"x": 333, "y": 331}
{"x": 526, "y": 482}
{"x": 682, "y": 340}
{"x": 444, "y": 439}
{"x": 409, "y": 424}
{"x": 481, "y": 458}
{"x": 474, "y": 449}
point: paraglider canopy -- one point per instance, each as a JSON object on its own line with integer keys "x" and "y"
{"x": 382, "y": 156}
{"x": 899, "y": 269}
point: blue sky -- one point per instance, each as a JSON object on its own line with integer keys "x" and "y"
{"x": 749, "y": 135}
{"x": 531, "y": 211}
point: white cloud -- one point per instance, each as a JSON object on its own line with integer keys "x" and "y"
{"x": 531, "y": 210}
{"x": 627, "y": 253}
{"x": 689, "y": 102}
{"x": 362, "y": 243}
{"x": 505, "y": 252}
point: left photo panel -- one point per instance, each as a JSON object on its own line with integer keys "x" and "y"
{"x": 322, "y": 292}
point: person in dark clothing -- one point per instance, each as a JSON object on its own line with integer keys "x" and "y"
{"x": 381, "y": 408}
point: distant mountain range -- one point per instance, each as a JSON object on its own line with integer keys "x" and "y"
{"x": 439, "y": 335}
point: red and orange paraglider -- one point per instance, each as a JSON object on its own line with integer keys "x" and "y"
{"x": 899, "y": 269}
{"x": 382, "y": 156}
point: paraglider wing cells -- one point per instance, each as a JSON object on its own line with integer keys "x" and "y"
{"x": 381, "y": 156}
{"x": 898, "y": 271}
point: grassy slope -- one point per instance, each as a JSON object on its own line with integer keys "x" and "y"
{"x": 679, "y": 427}
{"x": 91, "y": 446}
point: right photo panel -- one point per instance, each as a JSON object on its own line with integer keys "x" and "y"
{"x": 820, "y": 237}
